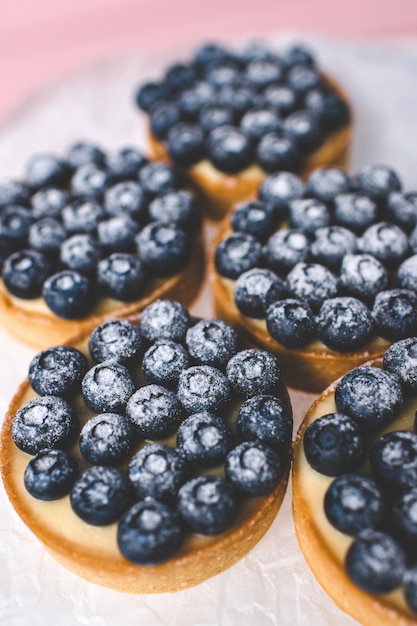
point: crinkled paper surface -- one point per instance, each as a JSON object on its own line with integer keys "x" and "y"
{"x": 272, "y": 585}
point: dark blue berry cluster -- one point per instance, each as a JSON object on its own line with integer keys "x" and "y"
{"x": 238, "y": 108}
{"x": 158, "y": 445}
{"x": 333, "y": 258}
{"x": 373, "y": 459}
{"x": 93, "y": 225}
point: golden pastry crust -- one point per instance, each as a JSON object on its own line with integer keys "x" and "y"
{"x": 313, "y": 530}
{"x": 221, "y": 191}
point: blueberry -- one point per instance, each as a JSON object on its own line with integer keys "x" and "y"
{"x": 204, "y": 439}
{"x": 370, "y": 396}
{"x": 179, "y": 208}
{"x": 57, "y": 371}
{"x": 387, "y": 242}
{"x": 404, "y": 518}
{"x": 121, "y": 276}
{"x": 410, "y": 587}
{"x": 13, "y": 192}
{"x": 353, "y": 503}
{"x": 291, "y": 323}
{"x": 149, "y": 533}
{"x": 194, "y": 99}
{"x": 301, "y": 78}
{"x": 276, "y": 151}
{"x": 253, "y": 372}
{"x": 330, "y": 245}
{"x": 401, "y": 359}
{"x": 344, "y": 324}
{"x": 253, "y": 468}
{"x": 7, "y": 247}
{"x": 164, "y": 361}
{"x": 412, "y": 241}
{"x": 80, "y": 253}
{"x": 298, "y": 54}
{"x": 253, "y": 218}
{"x": 149, "y": 94}
{"x": 126, "y": 198}
{"x": 186, "y": 144}
{"x": 395, "y": 314}
{"x": 106, "y": 439}
{"x": 256, "y": 49}
{"x": 255, "y": 290}
{"x": 326, "y": 183}
{"x": 222, "y": 73}
{"x": 157, "y": 471}
{"x": 69, "y": 294}
{"x": 284, "y": 249}
{"x": 203, "y": 388}
{"x": 117, "y": 234}
{"x": 407, "y": 273}
{"x": 211, "y": 342}
{"x": 239, "y": 98}
{"x": 259, "y": 121}
{"x": 90, "y": 180}
{"x": 164, "y": 249}
{"x": 125, "y": 163}
{"x": 362, "y": 276}
{"x": 154, "y": 411}
{"x": 394, "y": 460}
{"x": 207, "y": 504}
{"x": 401, "y": 208}
{"x": 303, "y": 127}
{"x": 82, "y": 216}
{"x": 101, "y": 495}
{"x": 229, "y": 149}
{"x": 279, "y": 189}
{"x": 157, "y": 178}
{"x": 334, "y": 444}
{"x": 179, "y": 76}
{"x": 165, "y": 319}
{"x": 268, "y": 419}
{"x": 236, "y": 254}
{"x": 311, "y": 283}
{"x": 84, "y": 152}
{"x": 329, "y": 107}
{"x": 377, "y": 181}
{"x": 282, "y": 98}
{"x": 116, "y": 340}
{"x": 209, "y": 53}
{"x": 355, "y": 211}
{"x": 46, "y": 170}
{"x": 262, "y": 72}
{"x": 15, "y": 222}
{"x": 107, "y": 387}
{"x": 308, "y": 215}
{"x": 44, "y": 422}
{"x": 50, "y": 475}
{"x": 215, "y": 115}
{"x": 47, "y": 235}
{"x": 25, "y": 272}
{"x": 48, "y": 202}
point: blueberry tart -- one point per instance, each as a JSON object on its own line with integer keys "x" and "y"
{"x": 151, "y": 454}
{"x": 228, "y": 118}
{"x": 354, "y": 488}
{"x": 93, "y": 235}
{"x": 321, "y": 273}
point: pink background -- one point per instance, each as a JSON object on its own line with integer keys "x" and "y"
{"x": 41, "y": 40}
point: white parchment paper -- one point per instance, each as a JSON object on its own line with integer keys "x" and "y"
{"x": 271, "y": 586}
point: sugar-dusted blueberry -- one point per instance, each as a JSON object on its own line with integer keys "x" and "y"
{"x": 312, "y": 283}
{"x": 395, "y": 314}
{"x": 330, "y": 245}
{"x": 377, "y": 181}
{"x": 353, "y": 502}
{"x": 268, "y": 419}
{"x": 47, "y": 235}
{"x": 116, "y": 340}
{"x": 222, "y": 73}
{"x": 239, "y": 98}
{"x": 253, "y": 217}
{"x": 308, "y": 214}
{"x": 277, "y": 151}
{"x": 46, "y": 170}
{"x": 149, "y": 533}
{"x": 362, "y": 276}
{"x": 401, "y": 359}
{"x": 284, "y": 249}
{"x": 229, "y": 149}
{"x": 126, "y": 197}
{"x": 404, "y": 518}
{"x": 344, "y": 324}
{"x": 193, "y": 99}
{"x": 90, "y": 181}
{"x": 236, "y": 254}
{"x": 107, "y": 387}
{"x": 304, "y": 128}
{"x": 401, "y": 208}
{"x": 279, "y": 189}
{"x": 215, "y": 115}
{"x": 385, "y": 241}
{"x": 101, "y": 495}
{"x": 394, "y": 460}
{"x": 282, "y": 98}
{"x": 164, "y": 116}
{"x": 370, "y": 396}
{"x": 412, "y": 241}
{"x": 410, "y": 587}
{"x": 186, "y": 144}
{"x": 121, "y": 276}
{"x": 262, "y": 72}
{"x": 209, "y": 53}
{"x": 165, "y": 319}
{"x": 203, "y": 388}
{"x": 252, "y": 372}
{"x": 211, "y": 342}
{"x": 149, "y": 94}
{"x": 124, "y": 163}
{"x": 157, "y": 471}
{"x": 291, "y": 322}
{"x": 80, "y": 252}
{"x": 179, "y": 76}
{"x": 407, "y": 273}
{"x": 254, "y": 468}
{"x": 43, "y": 422}
{"x": 326, "y": 183}
{"x": 69, "y": 294}
{"x": 50, "y": 475}
{"x": 260, "y": 121}
{"x": 298, "y": 54}
{"x": 302, "y": 78}
{"x": 106, "y": 439}
{"x": 57, "y": 371}
{"x": 82, "y": 152}
{"x": 164, "y": 361}
{"x": 25, "y": 272}
{"x": 255, "y": 290}
{"x": 163, "y": 248}
{"x": 204, "y": 439}
{"x": 82, "y": 215}
{"x": 355, "y": 211}
{"x": 334, "y": 444}
{"x": 157, "y": 178}
{"x": 117, "y": 234}
{"x": 15, "y": 223}
{"x": 207, "y": 504}
{"x": 332, "y": 111}
{"x": 13, "y": 192}
{"x": 176, "y": 207}
{"x": 154, "y": 411}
